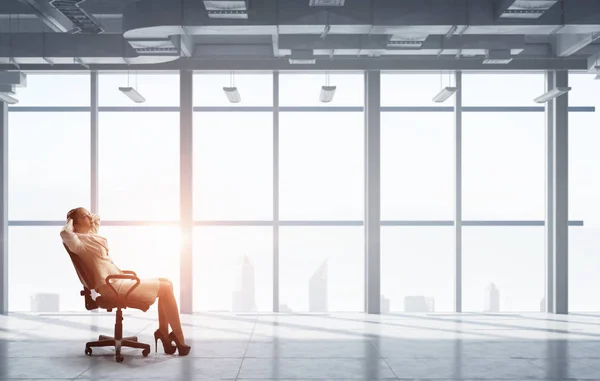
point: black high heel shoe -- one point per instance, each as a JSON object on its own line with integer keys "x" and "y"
{"x": 183, "y": 350}
{"x": 169, "y": 348}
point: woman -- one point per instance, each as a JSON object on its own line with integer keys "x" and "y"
{"x": 80, "y": 236}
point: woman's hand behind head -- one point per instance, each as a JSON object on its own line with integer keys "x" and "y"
{"x": 95, "y": 223}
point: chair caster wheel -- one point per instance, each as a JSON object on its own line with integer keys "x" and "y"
{"x": 88, "y": 351}
{"x": 146, "y": 352}
{"x": 119, "y": 358}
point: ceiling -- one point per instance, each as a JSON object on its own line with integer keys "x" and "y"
{"x": 292, "y": 34}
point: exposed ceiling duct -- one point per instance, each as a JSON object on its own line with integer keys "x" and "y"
{"x": 227, "y": 9}
{"x": 63, "y": 48}
{"x": 526, "y": 9}
{"x": 82, "y": 21}
{"x": 326, "y": 3}
{"x": 313, "y": 31}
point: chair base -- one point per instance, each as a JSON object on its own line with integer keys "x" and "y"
{"x": 109, "y": 341}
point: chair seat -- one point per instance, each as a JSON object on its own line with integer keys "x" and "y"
{"x": 108, "y": 303}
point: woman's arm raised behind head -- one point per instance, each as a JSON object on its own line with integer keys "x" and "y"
{"x": 70, "y": 238}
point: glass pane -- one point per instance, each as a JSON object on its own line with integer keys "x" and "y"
{"x": 584, "y": 187}
{"x": 503, "y": 166}
{"x": 150, "y": 251}
{"x": 321, "y": 166}
{"x": 233, "y": 166}
{"x": 159, "y": 89}
{"x": 255, "y": 89}
{"x": 301, "y": 89}
{"x": 41, "y": 276}
{"x": 417, "y": 269}
{"x": 584, "y": 266}
{"x": 321, "y": 269}
{"x": 139, "y": 166}
{"x": 417, "y": 166}
{"x": 584, "y": 90}
{"x": 414, "y": 89}
{"x": 233, "y": 268}
{"x": 503, "y": 268}
{"x": 514, "y": 89}
{"x": 48, "y": 164}
{"x": 42, "y": 90}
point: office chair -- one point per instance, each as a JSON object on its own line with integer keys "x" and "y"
{"x": 109, "y": 304}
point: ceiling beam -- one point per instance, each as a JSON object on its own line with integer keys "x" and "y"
{"x": 382, "y": 63}
{"x": 568, "y": 44}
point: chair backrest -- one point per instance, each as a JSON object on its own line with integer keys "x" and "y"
{"x": 85, "y": 277}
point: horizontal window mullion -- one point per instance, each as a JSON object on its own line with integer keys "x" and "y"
{"x": 303, "y": 223}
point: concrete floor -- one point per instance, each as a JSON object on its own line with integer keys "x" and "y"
{"x": 329, "y": 346}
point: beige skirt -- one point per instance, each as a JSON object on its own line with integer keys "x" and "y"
{"x": 146, "y": 292}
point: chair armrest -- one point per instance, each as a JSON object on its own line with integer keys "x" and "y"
{"x": 129, "y": 272}
{"x": 123, "y": 301}
{"x": 90, "y": 304}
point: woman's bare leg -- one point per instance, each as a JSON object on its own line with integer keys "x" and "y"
{"x": 168, "y": 304}
{"x": 163, "y": 323}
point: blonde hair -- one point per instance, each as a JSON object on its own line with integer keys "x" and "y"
{"x": 76, "y": 213}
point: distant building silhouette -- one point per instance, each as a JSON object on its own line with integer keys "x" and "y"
{"x": 317, "y": 290}
{"x": 244, "y": 298}
{"x": 492, "y": 299}
{"x": 384, "y": 305}
{"x": 284, "y": 308}
{"x": 419, "y": 303}
{"x": 45, "y": 303}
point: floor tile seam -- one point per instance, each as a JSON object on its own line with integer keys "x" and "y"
{"x": 371, "y": 339}
{"x": 247, "y": 346}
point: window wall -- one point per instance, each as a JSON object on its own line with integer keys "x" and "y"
{"x": 138, "y": 172}
{"x": 49, "y": 173}
{"x": 321, "y": 193}
{"x": 417, "y": 193}
{"x": 233, "y": 193}
{"x": 278, "y": 189}
{"x": 584, "y": 187}
{"x": 503, "y": 177}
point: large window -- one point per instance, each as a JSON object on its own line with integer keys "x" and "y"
{"x": 417, "y": 266}
{"x": 503, "y": 165}
{"x": 584, "y": 187}
{"x": 417, "y": 167}
{"x": 233, "y": 268}
{"x": 321, "y": 181}
{"x": 321, "y": 269}
{"x": 233, "y": 185}
{"x": 503, "y": 268}
{"x": 42, "y": 89}
{"x": 49, "y": 173}
{"x": 503, "y": 177}
{"x": 139, "y": 166}
{"x": 321, "y": 166}
{"x": 41, "y": 276}
{"x": 49, "y": 164}
{"x": 417, "y": 185}
{"x": 318, "y": 160}
{"x": 233, "y": 166}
